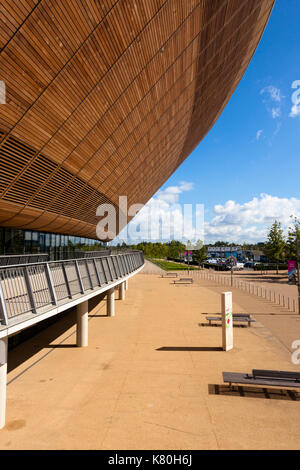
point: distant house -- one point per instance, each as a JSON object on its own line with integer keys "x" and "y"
{"x": 257, "y": 255}
{"x": 224, "y": 252}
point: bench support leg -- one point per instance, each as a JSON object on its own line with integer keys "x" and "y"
{"x": 122, "y": 290}
{"x": 111, "y": 303}
{"x": 82, "y": 324}
{"x": 126, "y": 284}
{"x": 3, "y": 378}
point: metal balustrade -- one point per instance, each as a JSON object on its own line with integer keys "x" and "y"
{"x": 36, "y": 288}
{"x": 9, "y": 260}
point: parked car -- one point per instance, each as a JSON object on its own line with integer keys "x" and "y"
{"x": 250, "y": 264}
{"x": 238, "y": 266}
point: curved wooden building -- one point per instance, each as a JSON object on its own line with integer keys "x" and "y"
{"x": 108, "y": 97}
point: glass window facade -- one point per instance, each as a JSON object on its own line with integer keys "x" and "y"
{"x": 58, "y": 246}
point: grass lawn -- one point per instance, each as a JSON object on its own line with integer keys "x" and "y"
{"x": 171, "y": 265}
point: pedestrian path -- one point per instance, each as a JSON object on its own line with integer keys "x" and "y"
{"x": 151, "y": 378}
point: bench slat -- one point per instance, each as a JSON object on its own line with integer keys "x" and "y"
{"x": 234, "y": 319}
{"x": 276, "y": 374}
{"x": 247, "y": 379}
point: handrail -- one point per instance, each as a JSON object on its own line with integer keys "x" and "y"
{"x": 65, "y": 260}
{"x": 12, "y": 260}
{"x": 38, "y": 287}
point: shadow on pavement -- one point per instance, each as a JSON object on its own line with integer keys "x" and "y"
{"x": 253, "y": 392}
{"x": 189, "y": 348}
{"x": 219, "y": 325}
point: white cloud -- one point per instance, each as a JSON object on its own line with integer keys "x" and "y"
{"x": 258, "y": 134}
{"x": 251, "y": 220}
{"x": 278, "y": 126}
{"x": 295, "y": 111}
{"x": 275, "y": 112}
{"x": 171, "y": 194}
{"x": 274, "y": 93}
{"x": 163, "y": 218}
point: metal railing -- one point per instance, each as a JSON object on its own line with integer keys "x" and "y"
{"x": 8, "y": 260}
{"x": 30, "y": 288}
{"x": 91, "y": 254}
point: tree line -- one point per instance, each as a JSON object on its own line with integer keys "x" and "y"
{"x": 280, "y": 248}
{"x": 172, "y": 250}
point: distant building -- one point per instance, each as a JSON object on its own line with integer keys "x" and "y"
{"x": 257, "y": 255}
{"x": 224, "y": 252}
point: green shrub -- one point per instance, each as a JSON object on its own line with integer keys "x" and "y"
{"x": 270, "y": 267}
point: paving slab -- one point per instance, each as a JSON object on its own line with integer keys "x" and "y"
{"x": 151, "y": 377}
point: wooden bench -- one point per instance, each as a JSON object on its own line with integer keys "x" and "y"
{"x": 236, "y": 317}
{"x": 169, "y": 275}
{"x": 264, "y": 377}
{"x": 184, "y": 280}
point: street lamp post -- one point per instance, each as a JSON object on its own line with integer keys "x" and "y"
{"x": 231, "y": 262}
{"x": 298, "y": 271}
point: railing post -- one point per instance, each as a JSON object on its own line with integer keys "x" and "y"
{"x": 97, "y": 273}
{"x": 113, "y": 260}
{"x": 79, "y": 278}
{"x": 123, "y": 270}
{"x": 125, "y": 264}
{"x": 119, "y": 266}
{"x": 103, "y": 270}
{"x": 50, "y": 284}
{"x": 3, "y": 378}
{"x": 66, "y": 280}
{"x": 29, "y": 290}
{"x": 88, "y": 273}
{"x": 3, "y": 310}
{"x": 129, "y": 263}
{"x": 111, "y": 276}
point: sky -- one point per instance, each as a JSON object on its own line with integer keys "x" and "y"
{"x": 246, "y": 171}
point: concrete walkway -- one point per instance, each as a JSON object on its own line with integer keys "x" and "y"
{"x": 151, "y": 268}
{"x": 151, "y": 378}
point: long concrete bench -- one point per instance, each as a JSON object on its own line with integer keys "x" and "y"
{"x": 236, "y": 317}
{"x": 264, "y": 377}
{"x": 184, "y": 280}
{"x": 169, "y": 275}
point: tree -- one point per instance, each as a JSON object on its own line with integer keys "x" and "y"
{"x": 293, "y": 233}
{"x": 175, "y": 249}
{"x": 274, "y": 248}
{"x": 200, "y": 255}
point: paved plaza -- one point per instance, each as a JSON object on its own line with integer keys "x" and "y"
{"x": 151, "y": 377}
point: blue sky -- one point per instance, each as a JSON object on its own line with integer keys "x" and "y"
{"x": 246, "y": 171}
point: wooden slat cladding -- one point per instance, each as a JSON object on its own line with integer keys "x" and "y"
{"x": 12, "y": 17}
{"x": 107, "y": 98}
{"x": 15, "y": 154}
{"x": 255, "y": 14}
